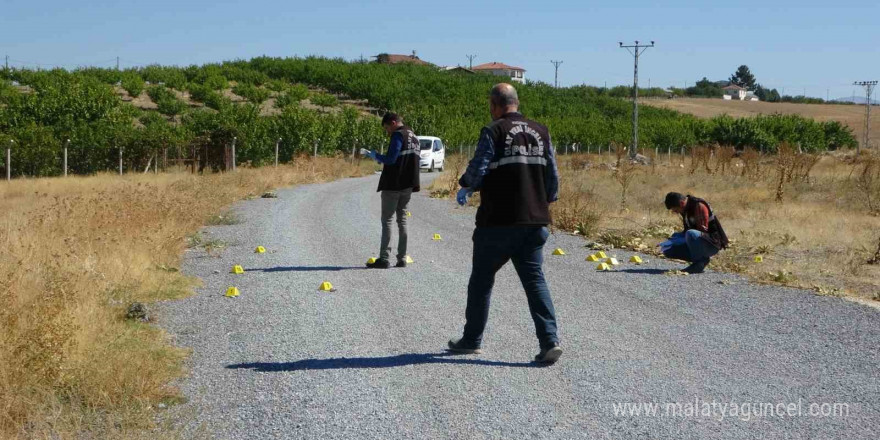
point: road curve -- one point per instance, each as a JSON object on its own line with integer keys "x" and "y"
{"x": 284, "y": 360}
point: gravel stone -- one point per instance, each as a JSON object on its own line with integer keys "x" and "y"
{"x": 283, "y": 360}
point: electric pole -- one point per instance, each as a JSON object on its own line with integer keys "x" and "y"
{"x": 7, "y": 62}
{"x": 869, "y": 88}
{"x": 470, "y": 61}
{"x": 556, "y": 76}
{"x": 117, "y": 63}
{"x": 636, "y": 50}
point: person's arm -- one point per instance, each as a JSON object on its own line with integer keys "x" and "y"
{"x": 702, "y": 218}
{"x": 479, "y": 165}
{"x": 393, "y": 150}
{"x": 551, "y": 177}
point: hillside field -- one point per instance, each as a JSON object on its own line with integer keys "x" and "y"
{"x": 851, "y": 115}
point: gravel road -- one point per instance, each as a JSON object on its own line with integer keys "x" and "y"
{"x": 284, "y": 360}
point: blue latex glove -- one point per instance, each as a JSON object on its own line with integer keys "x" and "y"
{"x": 463, "y": 195}
{"x": 371, "y": 154}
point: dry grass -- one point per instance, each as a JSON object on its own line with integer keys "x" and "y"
{"x": 821, "y": 236}
{"x": 77, "y": 252}
{"x": 851, "y": 115}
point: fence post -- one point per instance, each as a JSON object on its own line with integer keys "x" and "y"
{"x": 277, "y": 143}
{"x": 120, "y": 161}
{"x": 66, "y": 144}
{"x": 9, "y": 161}
{"x": 353, "y": 148}
{"x": 315, "y": 144}
{"x": 233, "y": 152}
{"x": 669, "y": 154}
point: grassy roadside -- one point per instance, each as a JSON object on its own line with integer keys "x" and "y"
{"x": 823, "y": 235}
{"x": 77, "y": 252}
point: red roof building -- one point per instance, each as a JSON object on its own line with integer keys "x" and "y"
{"x": 517, "y": 74}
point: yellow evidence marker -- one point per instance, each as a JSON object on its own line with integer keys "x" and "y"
{"x": 408, "y": 214}
{"x": 437, "y": 237}
{"x": 409, "y": 260}
{"x": 260, "y": 250}
{"x": 636, "y": 259}
{"x": 601, "y": 255}
{"x": 759, "y": 258}
{"x": 326, "y": 287}
{"x": 237, "y": 269}
{"x": 232, "y": 292}
{"x": 592, "y": 258}
{"x": 371, "y": 260}
{"x": 603, "y": 266}
{"x": 559, "y": 251}
{"x": 612, "y": 261}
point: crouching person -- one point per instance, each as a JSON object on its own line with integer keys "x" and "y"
{"x": 702, "y": 237}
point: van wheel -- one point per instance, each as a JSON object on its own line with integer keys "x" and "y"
{"x": 431, "y": 170}
{"x": 441, "y": 166}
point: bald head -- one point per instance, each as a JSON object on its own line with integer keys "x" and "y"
{"x": 502, "y": 100}
{"x": 504, "y": 95}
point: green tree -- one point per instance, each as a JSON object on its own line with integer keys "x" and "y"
{"x": 743, "y": 77}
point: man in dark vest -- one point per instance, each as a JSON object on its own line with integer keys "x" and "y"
{"x": 514, "y": 168}
{"x": 399, "y": 179}
{"x": 702, "y": 236}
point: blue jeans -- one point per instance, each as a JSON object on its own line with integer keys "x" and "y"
{"x": 493, "y": 247}
{"x": 693, "y": 249}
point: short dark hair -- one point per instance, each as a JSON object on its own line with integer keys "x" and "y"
{"x": 673, "y": 199}
{"x": 390, "y": 118}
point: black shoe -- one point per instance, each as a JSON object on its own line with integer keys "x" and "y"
{"x": 696, "y": 267}
{"x": 457, "y": 346}
{"x": 379, "y": 264}
{"x": 400, "y": 263}
{"x": 549, "y": 355}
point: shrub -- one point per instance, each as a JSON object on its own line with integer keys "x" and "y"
{"x": 324, "y": 100}
{"x": 166, "y": 100}
{"x": 133, "y": 84}
{"x": 251, "y": 92}
{"x": 215, "y": 82}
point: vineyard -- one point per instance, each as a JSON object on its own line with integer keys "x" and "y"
{"x": 44, "y": 111}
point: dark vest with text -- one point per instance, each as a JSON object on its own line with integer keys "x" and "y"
{"x": 404, "y": 172}
{"x": 513, "y": 190}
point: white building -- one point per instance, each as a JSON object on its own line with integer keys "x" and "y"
{"x": 517, "y": 74}
{"x": 734, "y": 91}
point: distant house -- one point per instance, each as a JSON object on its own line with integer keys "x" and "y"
{"x": 457, "y": 69}
{"x": 390, "y": 58}
{"x": 734, "y": 91}
{"x": 517, "y": 74}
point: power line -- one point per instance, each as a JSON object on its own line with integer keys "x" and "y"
{"x": 556, "y": 75}
{"x": 470, "y": 61}
{"x": 869, "y": 88}
{"x": 638, "y": 50}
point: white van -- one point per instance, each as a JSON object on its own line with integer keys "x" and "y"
{"x": 433, "y": 153}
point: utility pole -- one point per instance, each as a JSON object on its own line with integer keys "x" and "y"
{"x": 636, "y": 50}
{"x": 233, "y": 153}
{"x": 556, "y": 76}
{"x": 117, "y": 63}
{"x": 869, "y": 89}
{"x": 470, "y": 61}
{"x": 9, "y": 161}
{"x": 7, "y": 62}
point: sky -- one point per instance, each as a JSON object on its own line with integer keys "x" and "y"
{"x": 800, "y": 46}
